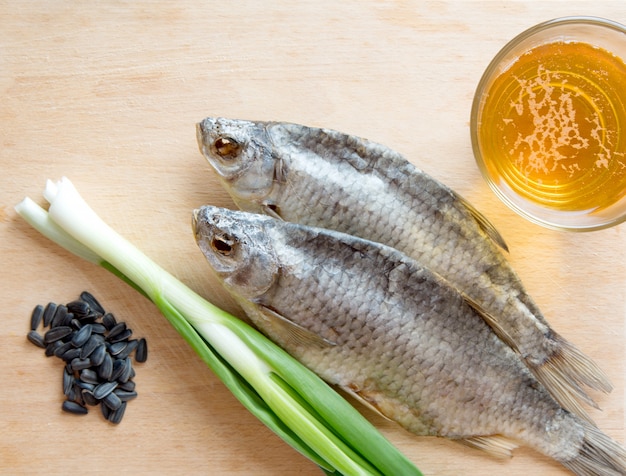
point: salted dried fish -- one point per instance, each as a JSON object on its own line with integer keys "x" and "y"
{"x": 373, "y": 321}
{"x": 325, "y": 178}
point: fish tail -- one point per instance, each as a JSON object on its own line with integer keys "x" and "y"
{"x": 566, "y": 371}
{"x": 598, "y": 455}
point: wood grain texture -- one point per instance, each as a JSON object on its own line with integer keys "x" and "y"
{"x": 107, "y": 93}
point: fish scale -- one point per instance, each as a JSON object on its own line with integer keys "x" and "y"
{"x": 416, "y": 351}
{"x": 319, "y": 177}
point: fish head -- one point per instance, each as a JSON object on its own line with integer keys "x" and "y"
{"x": 240, "y": 153}
{"x": 238, "y": 248}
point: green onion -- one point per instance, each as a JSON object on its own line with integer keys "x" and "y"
{"x": 287, "y": 397}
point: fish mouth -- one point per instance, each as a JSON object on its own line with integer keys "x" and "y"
{"x": 200, "y": 134}
{"x": 194, "y": 222}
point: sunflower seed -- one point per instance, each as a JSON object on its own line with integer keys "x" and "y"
{"x": 36, "y": 317}
{"x": 115, "y": 349}
{"x": 97, "y": 328}
{"x": 81, "y": 336}
{"x": 109, "y": 321}
{"x": 74, "y": 394}
{"x": 127, "y": 372}
{"x": 97, "y": 356}
{"x": 117, "y": 329}
{"x": 112, "y": 401}
{"x": 67, "y": 320}
{"x": 131, "y": 345}
{"x": 117, "y": 415}
{"x": 78, "y": 395}
{"x": 92, "y": 301}
{"x": 52, "y": 348}
{"x": 73, "y": 407}
{"x": 88, "y": 397}
{"x": 89, "y": 376}
{"x": 118, "y": 368}
{"x": 79, "y": 308}
{"x": 70, "y": 354}
{"x": 80, "y": 364}
{"x": 88, "y": 319}
{"x": 105, "y": 370}
{"x": 59, "y": 315}
{"x": 57, "y": 333}
{"x": 36, "y": 338}
{"x": 68, "y": 382}
{"x": 122, "y": 336}
{"x": 103, "y": 389}
{"x": 106, "y": 411}
{"x": 62, "y": 349}
{"x": 97, "y": 352}
{"x": 125, "y": 395}
{"x": 142, "y": 351}
{"x": 48, "y": 313}
{"x": 76, "y": 324}
{"x": 82, "y": 385}
{"x": 94, "y": 341}
{"x": 128, "y": 386}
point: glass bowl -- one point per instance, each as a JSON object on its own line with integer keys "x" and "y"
{"x": 548, "y": 124}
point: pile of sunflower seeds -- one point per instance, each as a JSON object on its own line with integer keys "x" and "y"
{"x": 96, "y": 350}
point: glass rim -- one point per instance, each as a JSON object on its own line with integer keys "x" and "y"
{"x": 476, "y": 109}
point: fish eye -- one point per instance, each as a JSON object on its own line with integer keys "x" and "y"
{"x": 226, "y": 147}
{"x": 223, "y": 245}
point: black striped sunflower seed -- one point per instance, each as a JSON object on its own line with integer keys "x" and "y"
{"x": 48, "y": 313}
{"x": 36, "y": 338}
{"x": 80, "y": 364}
{"x": 96, "y": 349}
{"x": 98, "y": 355}
{"x": 89, "y": 376}
{"x": 109, "y": 321}
{"x": 105, "y": 370}
{"x": 57, "y": 333}
{"x": 94, "y": 341}
{"x": 36, "y": 317}
{"x": 88, "y": 397}
{"x": 131, "y": 345}
{"x": 141, "y": 355}
{"x": 118, "y": 330}
{"x": 125, "y": 395}
{"x": 92, "y": 301}
{"x": 112, "y": 401}
{"x": 73, "y": 407}
{"x": 117, "y": 415}
{"x": 81, "y": 336}
{"x": 104, "y": 389}
{"x": 79, "y": 308}
{"x": 70, "y": 354}
{"x": 59, "y": 315}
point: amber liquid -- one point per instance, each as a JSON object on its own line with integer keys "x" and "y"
{"x": 554, "y": 127}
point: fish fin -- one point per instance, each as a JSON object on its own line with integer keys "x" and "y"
{"x": 496, "y": 445}
{"x": 484, "y": 224}
{"x": 598, "y": 454}
{"x": 493, "y": 322}
{"x": 365, "y": 399}
{"x": 294, "y": 333}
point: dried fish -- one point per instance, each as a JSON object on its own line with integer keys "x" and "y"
{"x": 325, "y": 178}
{"x": 392, "y": 333}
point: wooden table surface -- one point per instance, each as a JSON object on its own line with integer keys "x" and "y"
{"x": 108, "y": 94}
